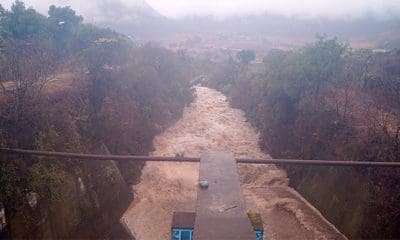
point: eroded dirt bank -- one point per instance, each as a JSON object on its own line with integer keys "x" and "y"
{"x": 210, "y": 123}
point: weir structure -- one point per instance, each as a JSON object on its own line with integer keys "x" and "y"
{"x": 220, "y": 209}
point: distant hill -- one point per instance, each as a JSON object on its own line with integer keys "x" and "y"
{"x": 137, "y": 19}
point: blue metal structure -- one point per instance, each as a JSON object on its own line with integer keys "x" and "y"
{"x": 259, "y": 235}
{"x": 187, "y": 234}
{"x": 182, "y": 234}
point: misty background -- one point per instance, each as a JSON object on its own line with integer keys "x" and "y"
{"x": 363, "y": 23}
{"x": 93, "y": 10}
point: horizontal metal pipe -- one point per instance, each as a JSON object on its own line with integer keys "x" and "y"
{"x": 97, "y": 156}
{"x": 194, "y": 159}
{"x": 320, "y": 162}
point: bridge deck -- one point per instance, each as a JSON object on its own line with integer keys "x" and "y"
{"x": 220, "y": 210}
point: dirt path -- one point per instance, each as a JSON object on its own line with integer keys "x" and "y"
{"x": 210, "y": 123}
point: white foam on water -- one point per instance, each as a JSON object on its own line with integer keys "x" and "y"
{"x": 209, "y": 123}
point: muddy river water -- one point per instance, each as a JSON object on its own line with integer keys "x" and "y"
{"x": 209, "y": 123}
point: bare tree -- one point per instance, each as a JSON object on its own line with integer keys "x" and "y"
{"x": 25, "y": 69}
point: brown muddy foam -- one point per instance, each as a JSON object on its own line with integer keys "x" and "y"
{"x": 210, "y": 123}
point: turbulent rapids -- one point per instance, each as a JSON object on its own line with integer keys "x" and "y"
{"x": 210, "y": 123}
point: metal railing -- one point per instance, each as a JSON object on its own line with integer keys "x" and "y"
{"x": 196, "y": 159}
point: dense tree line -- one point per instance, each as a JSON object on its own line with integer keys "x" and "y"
{"x": 121, "y": 97}
{"x": 327, "y": 101}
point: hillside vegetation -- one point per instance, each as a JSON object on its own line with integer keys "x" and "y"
{"x": 327, "y": 101}
{"x": 120, "y": 96}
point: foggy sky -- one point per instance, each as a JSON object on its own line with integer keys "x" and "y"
{"x": 89, "y": 9}
{"x": 306, "y": 8}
